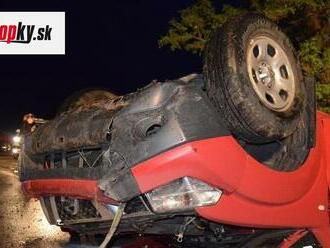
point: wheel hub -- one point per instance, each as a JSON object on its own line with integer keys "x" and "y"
{"x": 270, "y": 73}
{"x": 265, "y": 74}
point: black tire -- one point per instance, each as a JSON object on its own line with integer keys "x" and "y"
{"x": 230, "y": 89}
{"x": 287, "y": 154}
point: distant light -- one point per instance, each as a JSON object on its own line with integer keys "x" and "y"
{"x": 15, "y": 150}
{"x": 17, "y": 139}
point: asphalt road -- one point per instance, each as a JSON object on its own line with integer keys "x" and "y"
{"x": 22, "y": 223}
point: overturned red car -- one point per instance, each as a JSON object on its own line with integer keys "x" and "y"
{"x": 236, "y": 157}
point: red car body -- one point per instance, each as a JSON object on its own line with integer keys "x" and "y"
{"x": 254, "y": 195}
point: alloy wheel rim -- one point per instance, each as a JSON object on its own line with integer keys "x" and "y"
{"x": 270, "y": 73}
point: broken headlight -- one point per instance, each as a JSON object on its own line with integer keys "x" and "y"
{"x": 183, "y": 194}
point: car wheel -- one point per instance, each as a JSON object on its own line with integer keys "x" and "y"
{"x": 254, "y": 79}
{"x": 287, "y": 154}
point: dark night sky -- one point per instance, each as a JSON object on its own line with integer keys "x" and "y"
{"x": 112, "y": 46}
